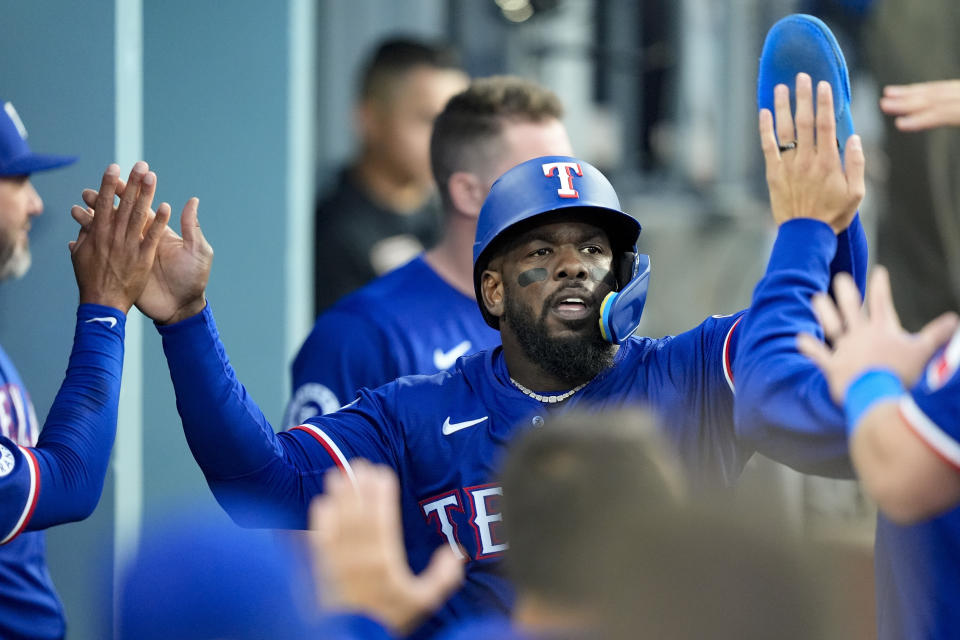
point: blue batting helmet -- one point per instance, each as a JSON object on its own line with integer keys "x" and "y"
{"x": 552, "y": 185}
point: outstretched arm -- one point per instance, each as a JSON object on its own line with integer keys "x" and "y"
{"x": 923, "y": 105}
{"x": 61, "y": 479}
{"x": 260, "y": 478}
{"x": 783, "y": 407}
{"x": 902, "y": 456}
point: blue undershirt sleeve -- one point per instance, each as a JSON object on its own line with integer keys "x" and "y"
{"x": 260, "y": 478}
{"x": 851, "y": 255}
{"x": 783, "y": 406}
{"x": 73, "y": 449}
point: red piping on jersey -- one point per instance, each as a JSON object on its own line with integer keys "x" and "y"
{"x": 35, "y": 476}
{"x": 929, "y": 445}
{"x": 727, "y": 364}
{"x": 326, "y": 446}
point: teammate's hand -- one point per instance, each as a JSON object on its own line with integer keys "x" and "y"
{"x": 359, "y": 557}
{"x": 924, "y": 105}
{"x": 114, "y": 254}
{"x": 870, "y": 336}
{"x": 175, "y": 289}
{"x": 809, "y": 181}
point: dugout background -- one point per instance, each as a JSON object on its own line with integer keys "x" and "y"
{"x": 246, "y": 104}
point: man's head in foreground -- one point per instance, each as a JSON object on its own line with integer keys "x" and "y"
{"x": 19, "y": 201}
{"x": 606, "y": 539}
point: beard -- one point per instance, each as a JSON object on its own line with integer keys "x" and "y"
{"x": 572, "y": 359}
{"x": 14, "y": 258}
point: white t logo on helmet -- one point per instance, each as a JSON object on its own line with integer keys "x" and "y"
{"x": 562, "y": 170}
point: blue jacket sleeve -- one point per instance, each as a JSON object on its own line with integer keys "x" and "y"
{"x": 73, "y": 449}
{"x": 783, "y": 406}
{"x": 260, "y": 478}
{"x": 851, "y": 255}
{"x": 343, "y": 353}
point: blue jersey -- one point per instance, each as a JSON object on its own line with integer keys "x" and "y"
{"x": 55, "y": 475}
{"x": 407, "y": 321}
{"x": 918, "y": 566}
{"x": 444, "y": 434}
{"x": 24, "y": 579}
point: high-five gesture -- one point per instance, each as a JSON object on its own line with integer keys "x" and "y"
{"x": 804, "y": 174}
{"x": 869, "y": 336}
{"x": 178, "y": 280}
{"x": 113, "y": 255}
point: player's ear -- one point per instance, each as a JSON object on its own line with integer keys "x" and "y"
{"x": 491, "y": 291}
{"x": 367, "y": 120}
{"x": 467, "y": 192}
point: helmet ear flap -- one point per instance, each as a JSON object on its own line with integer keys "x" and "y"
{"x": 626, "y": 268}
{"x": 620, "y": 311}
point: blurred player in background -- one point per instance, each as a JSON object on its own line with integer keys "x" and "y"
{"x": 422, "y": 317}
{"x": 56, "y": 475}
{"x": 382, "y": 211}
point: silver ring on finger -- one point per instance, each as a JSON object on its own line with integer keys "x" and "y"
{"x": 789, "y": 146}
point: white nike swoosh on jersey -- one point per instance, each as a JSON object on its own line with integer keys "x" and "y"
{"x": 446, "y": 359}
{"x": 453, "y": 427}
{"x": 107, "y": 320}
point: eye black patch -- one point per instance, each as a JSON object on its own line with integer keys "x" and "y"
{"x": 603, "y": 275}
{"x": 530, "y": 276}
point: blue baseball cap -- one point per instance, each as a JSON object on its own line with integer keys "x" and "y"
{"x": 16, "y": 158}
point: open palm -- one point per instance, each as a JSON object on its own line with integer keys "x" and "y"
{"x": 176, "y": 285}
{"x": 175, "y": 288}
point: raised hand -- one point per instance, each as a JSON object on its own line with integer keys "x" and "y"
{"x": 924, "y": 105}
{"x": 175, "y": 289}
{"x": 360, "y": 561}
{"x": 114, "y": 254}
{"x": 870, "y": 336}
{"x": 804, "y": 174}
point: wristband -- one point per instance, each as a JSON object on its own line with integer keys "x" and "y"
{"x": 871, "y": 387}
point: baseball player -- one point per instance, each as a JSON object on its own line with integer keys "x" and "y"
{"x": 422, "y": 317}
{"x": 905, "y": 447}
{"x": 556, "y": 271}
{"x": 56, "y": 475}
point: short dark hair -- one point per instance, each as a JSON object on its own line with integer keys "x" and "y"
{"x": 397, "y": 56}
{"x": 573, "y": 483}
{"x": 475, "y": 117}
{"x": 595, "y": 512}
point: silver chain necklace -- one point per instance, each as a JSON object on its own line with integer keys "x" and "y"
{"x": 547, "y": 399}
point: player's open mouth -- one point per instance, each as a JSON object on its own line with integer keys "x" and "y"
{"x": 573, "y": 307}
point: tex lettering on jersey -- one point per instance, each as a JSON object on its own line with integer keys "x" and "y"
{"x": 18, "y": 420}
{"x": 481, "y": 518}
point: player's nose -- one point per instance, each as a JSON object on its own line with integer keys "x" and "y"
{"x": 34, "y": 201}
{"x": 570, "y": 264}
